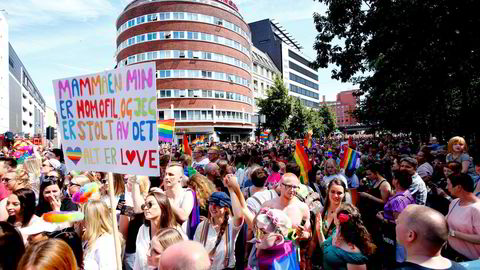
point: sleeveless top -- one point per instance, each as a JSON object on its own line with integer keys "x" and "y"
{"x": 337, "y": 258}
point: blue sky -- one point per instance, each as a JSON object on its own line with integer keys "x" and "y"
{"x": 57, "y": 39}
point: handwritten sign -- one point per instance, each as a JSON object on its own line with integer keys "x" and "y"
{"x": 107, "y": 120}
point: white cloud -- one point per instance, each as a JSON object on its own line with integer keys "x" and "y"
{"x": 50, "y": 12}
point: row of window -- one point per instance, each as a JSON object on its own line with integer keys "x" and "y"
{"x": 218, "y": 94}
{"x": 207, "y": 115}
{"x": 184, "y": 16}
{"x": 183, "y": 35}
{"x": 309, "y": 103}
{"x": 203, "y": 74}
{"x": 169, "y": 54}
{"x": 303, "y": 81}
{"x": 302, "y": 91}
{"x": 302, "y": 70}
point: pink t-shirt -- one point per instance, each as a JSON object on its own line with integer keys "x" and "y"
{"x": 465, "y": 219}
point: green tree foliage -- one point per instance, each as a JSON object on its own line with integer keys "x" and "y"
{"x": 417, "y": 62}
{"x": 328, "y": 117}
{"x": 276, "y": 107}
{"x": 299, "y": 121}
{"x": 315, "y": 123}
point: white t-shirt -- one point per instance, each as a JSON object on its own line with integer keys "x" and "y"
{"x": 102, "y": 255}
{"x": 255, "y": 202}
{"x": 143, "y": 244}
{"x": 202, "y": 163}
{"x": 218, "y": 261}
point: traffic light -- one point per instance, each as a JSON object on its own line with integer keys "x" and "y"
{"x": 50, "y": 133}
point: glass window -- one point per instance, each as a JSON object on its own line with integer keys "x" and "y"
{"x": 140, "y": 38}
{"x": 176, "y": 54}
{"x": 151, "y": 55}
{"x": 190, "y": 115}
{"x": 204, "y": 93}
{"x": 204, "y": 115}
{"x": 131, "y": 23}
{"x": 197, "y": 115}
{"x": 140, "y": 19}
{"x": 184, "y": 115}
{"x": 151, "y": 36}
{"x": 178, "y": 34}
{"x": 176, "y": 115}
{"x": 178, "y": 15}
{"x": 209, "y": 115}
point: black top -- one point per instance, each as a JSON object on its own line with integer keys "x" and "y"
{"x": 413, "y": 266}
{"x": 67, "y": 205}
{"x": 133, "y": 226}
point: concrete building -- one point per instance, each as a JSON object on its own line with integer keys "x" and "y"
{"x": 202, "y": 51}
{"x": 263, "y": 74}
{"x": 22, "y": 105}
{"x": 300, "y": 79}
{"x": 343, "y": 108}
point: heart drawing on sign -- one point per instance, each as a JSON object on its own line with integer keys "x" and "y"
{"x": 74, "y": 154}
{"x": 131, "y": 155}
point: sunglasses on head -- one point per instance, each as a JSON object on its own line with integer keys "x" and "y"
{"x": 51, "y": 177}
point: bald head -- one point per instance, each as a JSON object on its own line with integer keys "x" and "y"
{"x": 185, "y": 255}
{"x": 428, "y": 225}
{"x": 290, "y": 178}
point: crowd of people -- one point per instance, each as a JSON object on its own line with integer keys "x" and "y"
{"x": 246, "y": 205}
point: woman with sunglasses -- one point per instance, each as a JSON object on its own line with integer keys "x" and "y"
{"x": 158, "y": 215}
{"x": 51, "y": 196}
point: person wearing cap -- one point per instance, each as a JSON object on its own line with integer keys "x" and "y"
{"x": 200, "y": 160}
{"x": 219, "y": 232}
{"x": 50, "y": 165}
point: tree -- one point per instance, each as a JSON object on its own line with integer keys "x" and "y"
{"x": 315, "y": 123}
{"x": 417, "y": 62}
{"x": 299, "y": 121}
{"x": 276, "y": 107}
{"x": 329, "y": 120}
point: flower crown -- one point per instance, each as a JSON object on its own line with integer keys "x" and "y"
{"x": 343, "y": 217}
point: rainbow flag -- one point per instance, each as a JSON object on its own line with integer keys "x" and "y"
{"x": 302, "y": 160}
{"x": 186, "y": 148}
{"x": 165, "y": 130}
{"x": 279, "y": 257}
{"x": 350, "y": 160}
{"x": 198, "y": 140}
{"x": 264, "y": 135}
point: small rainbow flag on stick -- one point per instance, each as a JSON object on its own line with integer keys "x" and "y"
{"x": 350, "y": 159}
{"x": 302, "y": 160}
{"x": 165, "y": 130}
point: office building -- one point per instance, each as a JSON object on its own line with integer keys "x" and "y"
{"x": 300, "y": 79}
{"x": 202, "y": 50}
{"x": 22, "y": 105}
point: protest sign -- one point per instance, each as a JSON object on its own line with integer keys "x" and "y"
{"x": 107, "y": 120}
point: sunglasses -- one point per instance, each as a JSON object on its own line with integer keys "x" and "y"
{"x": 51, "y": 177}
{"x": 6, "y": 179}
{"x": 146, "y": 206}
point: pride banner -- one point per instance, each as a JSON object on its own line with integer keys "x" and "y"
{"x": 107, "y": 120}
{"x": 350, "y": 160}
{"x": 165, "y": 130}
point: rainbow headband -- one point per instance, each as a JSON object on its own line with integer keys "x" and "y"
{"x": 85, "y": 192}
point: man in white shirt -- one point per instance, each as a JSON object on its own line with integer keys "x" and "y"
{"x": 199, "y": 158}
{"x": 180, "y": 198}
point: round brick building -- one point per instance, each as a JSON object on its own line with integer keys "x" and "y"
{"x": 202, "y": 50}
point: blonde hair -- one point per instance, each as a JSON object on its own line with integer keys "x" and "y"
{"x": 455, "y": 140}
{"x": 97, "y": 222}
{"x": 187, "y": 160}
{"x": 21, "y": 176}
{"x": 203, "y": 187}
{"x": 81, "y": 179}
{"x": 167, "y": 237}
{"x": 33, "y": 166}
{"x": 48, "y": 254}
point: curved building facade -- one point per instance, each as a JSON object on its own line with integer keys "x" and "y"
{"x": 202, "y": 50}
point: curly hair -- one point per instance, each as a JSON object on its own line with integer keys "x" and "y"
{"x": 353, "y": 231}
{"x": 203, "y": 188}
